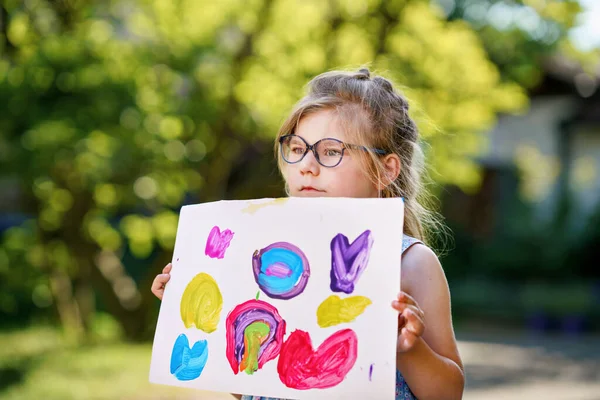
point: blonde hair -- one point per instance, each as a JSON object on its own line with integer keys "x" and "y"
{"x": 372, "y": 113}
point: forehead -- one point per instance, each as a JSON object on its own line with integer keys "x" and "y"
{"x": 319, "y": 125}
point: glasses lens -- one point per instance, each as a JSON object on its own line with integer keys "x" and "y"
{"x": 330, "y": 152}
{"x": 292, "y": 149}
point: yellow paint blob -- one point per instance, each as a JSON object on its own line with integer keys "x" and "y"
{"x": 254, "y": 207}
{"x": 201, "y": 303}
{"x": 334, "y": 311}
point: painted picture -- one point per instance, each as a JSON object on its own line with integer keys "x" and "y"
{"x": 286, "y": 298}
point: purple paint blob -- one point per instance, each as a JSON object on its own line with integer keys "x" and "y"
{"x": 218, "y": 242}
{"x": 348, "y": 261}
{"x": 371, "y": 371}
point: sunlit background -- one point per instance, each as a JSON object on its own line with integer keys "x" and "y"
{"x": 115, "y": 113}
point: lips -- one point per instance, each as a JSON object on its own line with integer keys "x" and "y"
{"x": 309, "y": 189}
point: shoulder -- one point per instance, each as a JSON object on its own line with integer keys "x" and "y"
{"x": 421, "y": 270}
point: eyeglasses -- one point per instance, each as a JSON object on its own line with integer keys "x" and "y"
{"x": 328, "y": 151}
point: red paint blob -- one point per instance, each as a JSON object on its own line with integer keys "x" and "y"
{"x": 301, "y": 367}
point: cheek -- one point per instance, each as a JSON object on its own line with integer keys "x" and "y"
{"x": 289, "y": 174}
{"x": 354, "y": 181}
{"x": 354, "y": 170}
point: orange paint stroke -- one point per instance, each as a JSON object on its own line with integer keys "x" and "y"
{"x": 254, "y": 207}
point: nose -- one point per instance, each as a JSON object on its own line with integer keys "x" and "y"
{"x": 309, "y": 164}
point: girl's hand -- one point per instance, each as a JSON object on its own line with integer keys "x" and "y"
{"x": 411, "y": 322}
{"x": 158, "y": 286}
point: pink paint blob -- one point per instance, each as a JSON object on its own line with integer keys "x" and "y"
{"x": 218, "y": 242}
{"x": 301, "y": 367}
{"x": 279, "y": 270}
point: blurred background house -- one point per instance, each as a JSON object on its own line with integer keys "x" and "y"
{"x": 553, "y": 149}
{"x": 533, "y": 220}
{"x": 114, "y": 114}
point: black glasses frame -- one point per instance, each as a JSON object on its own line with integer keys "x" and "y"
{"x": 313, "y": 148}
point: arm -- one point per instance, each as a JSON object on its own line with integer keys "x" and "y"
{"x": 432, "y": 367}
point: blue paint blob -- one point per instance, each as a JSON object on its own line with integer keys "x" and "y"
{"x": 187, "y": 364}
{"x": 281, "y": 270}
{"x": 279, "y": 285}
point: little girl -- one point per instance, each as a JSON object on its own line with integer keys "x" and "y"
{"x": 351, "y": 136}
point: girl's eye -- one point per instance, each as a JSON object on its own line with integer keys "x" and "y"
{"x": 332, "y": 152}
{"x": 297, "y": 149}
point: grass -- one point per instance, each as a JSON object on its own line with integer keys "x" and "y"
{"x": 38, "y": 364}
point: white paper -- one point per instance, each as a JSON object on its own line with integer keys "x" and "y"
{"x": 309, "y": 224}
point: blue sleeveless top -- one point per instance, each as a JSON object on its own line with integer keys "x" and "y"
{"x": 403, "y": 392}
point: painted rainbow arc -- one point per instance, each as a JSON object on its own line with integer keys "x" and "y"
{"x": 254, "y": 335}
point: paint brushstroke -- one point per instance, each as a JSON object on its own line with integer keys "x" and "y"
{"x": 188, "y": 363}
{"x": 254, "y": 336}
{"x": 333, "y": 310}
{"x": 201, "y": 303}
{"x": 348, "y": 261}
{"x": 281, "y": 270}
{"x": 300, "y": 367}
{"x": 218, "y": 242}
{"x": 371, "y": 372}
{"x": 254, "y": 207}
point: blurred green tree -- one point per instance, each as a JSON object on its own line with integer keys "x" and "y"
{"x": 116, "y": 113}
{"x": 518, "y": 34}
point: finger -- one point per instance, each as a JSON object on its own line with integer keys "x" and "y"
{"x": 407, "y": 339}
{"x": 415, "y": 312}
{"x": 167, "y": 268}
{"x": 420, "y": 313}
{"x": 409, "y": 315}
{"x": 399, "y": 306}
{"x": 158, "y": 285}
{"x": 404, "y": 297}
{"x": 158, "y": 292}
{"x": 163, "y": 278}
{"x": 414, "y": 323}
{"x": 401, "y": 321}
{"x": 404, "y": 306}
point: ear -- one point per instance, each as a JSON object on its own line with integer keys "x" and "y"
{"x": 391, "y": 165}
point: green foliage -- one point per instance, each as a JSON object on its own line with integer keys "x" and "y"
{"x": 518, "y": 33}
{"x": 116, "y": 113}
